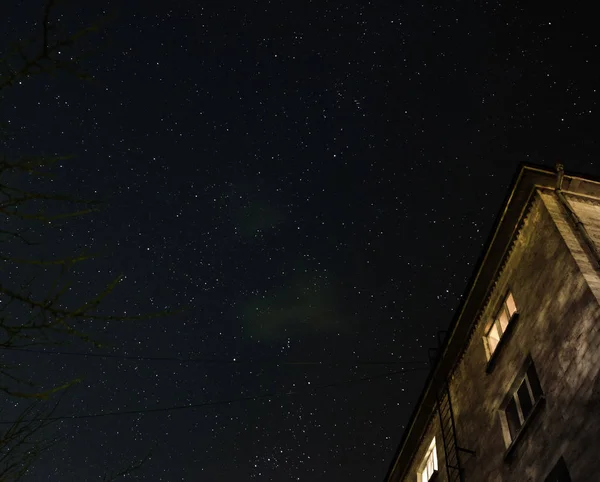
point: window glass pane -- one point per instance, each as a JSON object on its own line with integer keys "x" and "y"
{"x": 503, "y": 319}
{"x": 534, "y": 382}
{"x": 510, "y": 304}
{"x": 493, "y": 338}
{"x": 524, "y": 399}
{"x": 512, "y": 417}
{"x": 429, "y": 464}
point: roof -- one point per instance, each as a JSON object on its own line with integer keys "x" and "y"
{"x": 505, "y": 227}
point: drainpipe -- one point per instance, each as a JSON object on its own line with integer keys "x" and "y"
{"x": 587, "y": 240}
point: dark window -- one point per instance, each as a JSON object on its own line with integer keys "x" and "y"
{"x": 522, "y": 401}
{"x": 534, "y": 382}
{"x": 559, "y": 473}
{"x": 512, "y": 416}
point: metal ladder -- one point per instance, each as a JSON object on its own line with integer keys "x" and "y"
{"x": 451, "y": 448}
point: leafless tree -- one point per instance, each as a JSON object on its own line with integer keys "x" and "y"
{"x": 40, "y": 307}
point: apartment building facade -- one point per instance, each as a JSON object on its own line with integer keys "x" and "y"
{"x": 514, "y": 395}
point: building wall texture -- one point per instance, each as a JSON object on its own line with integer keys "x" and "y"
{"x": 553, "y": 276}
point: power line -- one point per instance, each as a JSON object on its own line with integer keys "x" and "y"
{"x": 214, "y": 403}
{"x": 216, "y": 361}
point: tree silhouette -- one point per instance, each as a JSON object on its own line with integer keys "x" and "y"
{"x": 40, "y": 306}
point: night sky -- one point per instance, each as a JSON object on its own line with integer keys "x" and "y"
{"x": 309, "y": 181}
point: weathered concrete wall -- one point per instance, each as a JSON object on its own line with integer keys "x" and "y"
{"x": 581, "y": 253}
{"x": 556, "y": 288}
{"x": 587, "y": 210}
{"x": 577, "y": 347}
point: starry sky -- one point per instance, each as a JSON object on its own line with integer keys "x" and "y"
{"x": 307, "y": 186}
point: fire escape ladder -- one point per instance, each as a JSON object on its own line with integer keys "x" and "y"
{"x": 451, "y": 449}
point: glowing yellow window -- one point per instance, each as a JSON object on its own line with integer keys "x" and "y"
{"x": 429, "y": 466}
{"x": 501, "y": 322}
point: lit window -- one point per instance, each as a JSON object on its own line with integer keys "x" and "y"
{"x": 501, "y": 321}
{"x": 521, "y": 403}
{"x": 429, "y": 466}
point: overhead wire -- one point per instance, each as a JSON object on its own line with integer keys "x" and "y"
{"x": 213, "y": 403}
{"x": 221, "y": 361}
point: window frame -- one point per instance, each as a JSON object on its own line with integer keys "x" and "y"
{"x": 430, "y": 456}
{"x": 528, "y": 378}
{"x": 504, "y": 333}
{"x": 521, "y": 397}
{"x": 497, "y": 323}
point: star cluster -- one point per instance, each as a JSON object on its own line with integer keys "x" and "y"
{"x": 295, "y": 182}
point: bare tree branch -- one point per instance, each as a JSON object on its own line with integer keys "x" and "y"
{"x": 38, "y": 300}
{"x": 131, "y": 468}
{"x": 22, "y": 442}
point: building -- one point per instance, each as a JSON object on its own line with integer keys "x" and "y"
{"x": 514, "y": 393}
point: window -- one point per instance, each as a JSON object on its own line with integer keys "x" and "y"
{"x": 522, "y": 401}
{"x": 501, "y": 321}
{"x": 429, "y": 466}
{"x": 559, "y": 473}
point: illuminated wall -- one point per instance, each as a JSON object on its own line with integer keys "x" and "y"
{"x": 553, "y": 276}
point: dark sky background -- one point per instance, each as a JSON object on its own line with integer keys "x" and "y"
{"x": 312, "y": 181}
